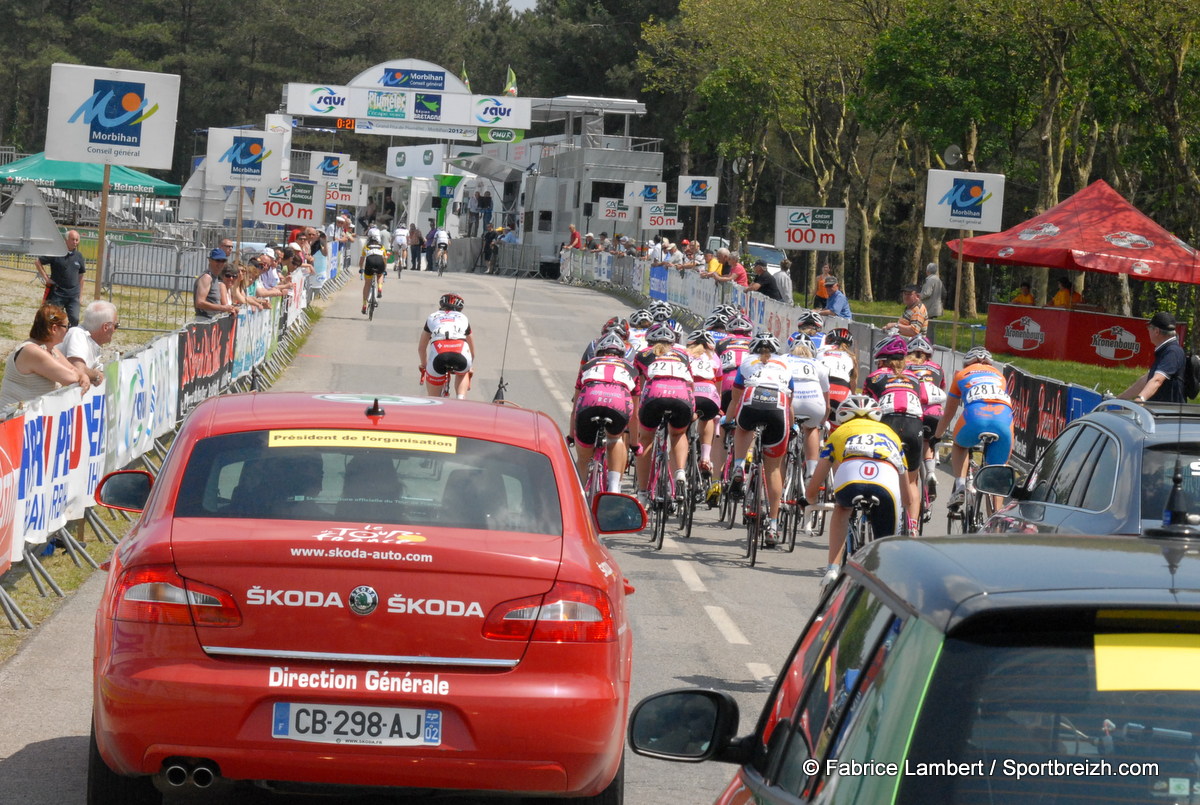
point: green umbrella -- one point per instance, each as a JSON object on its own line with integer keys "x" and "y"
{"x": 53, "y": 173}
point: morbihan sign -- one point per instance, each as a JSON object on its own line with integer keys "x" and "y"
{"x": 697, "y": 191}
{"x": 243, "y": 157}
{"x": 324, "y": 166}
{"x": 820, "y": 229}
{"x": 963, "y": 200}
{"x": 638, "y": 194}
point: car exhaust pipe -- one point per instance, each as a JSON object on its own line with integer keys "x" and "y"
{"x": 176, "y": 775}
{"x": 203, "y": 775}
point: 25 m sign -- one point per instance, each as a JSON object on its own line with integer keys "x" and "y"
{"x": 819, "y": 229}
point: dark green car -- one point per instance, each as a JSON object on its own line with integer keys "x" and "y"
{"x": 977, "y": 669}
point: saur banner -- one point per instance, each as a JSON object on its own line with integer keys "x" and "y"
{"x": 118, "y": 117}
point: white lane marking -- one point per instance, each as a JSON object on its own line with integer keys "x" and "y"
{"x": 760, "y": 671}
{"x": 689, "y": 576}
{"x": 726, "y": 626}
{"x": 552, "y": 385}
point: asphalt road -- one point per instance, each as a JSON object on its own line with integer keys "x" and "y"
{"x": 701, "y": 616}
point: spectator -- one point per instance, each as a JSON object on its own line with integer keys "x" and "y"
{"x": 490, "y": 248}
{"x": 574, "y": 241}
{"x": 836, "y": 303}
{"x": 933, "y": 292}
{"x": 258, "y": 288}
{"x": 731, "y": 269}
{"x": 430, "y": 244}
{"x": 820, "y": 295}
{"x": 415, "y": 242}
{"x": 711, "y": 264}
{"x": 485, "y": 209}
{"x": 209, "y": 294}
{"x": 589, "y": 243}
{"x": 233, "y": 277}
{"x": 473, "y": 214}
{"x": 1067, "y": 296}
{"x": 65, "y": 280}
{"x": 1024, "y": 296}
{"x": 763, "y": 282}
{"x": 82, "y": 344}
{"x": 914, "y": 319}
{"x": 1163, "y": 382}
{"x": 37, "y": 366}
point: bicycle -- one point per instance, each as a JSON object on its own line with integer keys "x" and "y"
{"x": 441, "y": 258}
{"x": 372, "y": 298}
{"x": 976, "y": 506}
{"x": 755, "y": 503}
{"x": 694, "y": 486}
{"x": 860, "y": 531}
{"x": 728, "y": 511}
{"x": 660, "y": 483}
{"x": 795, "y": 479}
{"x": 597, "y": 472}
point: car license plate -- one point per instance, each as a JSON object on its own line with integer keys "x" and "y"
{"x": 369, "y": 726}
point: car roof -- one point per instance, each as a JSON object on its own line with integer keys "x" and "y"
{"x": 950, "y": 581}
{"x": 511, "y": 424}
{"x": 1156, "y": 422}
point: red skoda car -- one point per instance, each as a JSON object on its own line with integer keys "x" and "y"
{"x": 331, "y": 590}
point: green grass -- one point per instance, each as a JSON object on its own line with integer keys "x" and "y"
{"x": 1100, "y": 378}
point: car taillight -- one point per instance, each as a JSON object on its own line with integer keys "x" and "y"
{"x": 157, "y": 594}
{"x": 569, "y": 613}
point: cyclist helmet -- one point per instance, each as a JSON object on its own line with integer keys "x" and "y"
{"x": 839, "y": 335}
{"x": 661, "y": 311}
{"x": 660, "y": 334}
{"x": 616, "y": 325}
{"x": 372, "y": 241}
{"x": 716, "y": 321}
{"x": 640, "y": 318}
{"x": 918, "y": 344}
{"x": 763, "y": 341}
{"x": 451, "y": 301}
{"x": 857, "y": 405}
{"x": 810, "y": 318}
{"x": 729, "y": 311}
{"x": 701, "y": 337}
{"x": 611, "y": 344}
{"x": 977, "y": 355}
{"x": 804, "y": 339}
{"x": 741, "y": 326}
{"x": 894, "y": 347}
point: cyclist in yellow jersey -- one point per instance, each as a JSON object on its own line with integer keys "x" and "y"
{"x": 866, "y": 458}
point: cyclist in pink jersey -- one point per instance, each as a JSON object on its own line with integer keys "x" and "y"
{"x": 664, "y": 392}
{"x": 706, "y": 385}
{"x": 731, "y": 352}
{"x": 922, "y": 364}
{"x": 902, "y": 400}
{"x": 604, "y": 388}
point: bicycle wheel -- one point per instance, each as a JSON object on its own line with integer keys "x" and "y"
{"x": 372, "y": 302}
{"x": 441, "y": 261}
{"x": 660, "y": 497}
{"x": 753, "y": 514}
{"x": 692, "y": 494}
{"x": 852, "y": 535}
{"x": 728, "y": 510}
{"x": 597, "y": 476}
{"x": 790, "y": 513}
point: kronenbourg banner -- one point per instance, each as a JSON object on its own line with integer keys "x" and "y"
{"x": 143, "y": 401}
{"x": 205, "y": 360}
{"x": 254, "y": 336}
{"x": 11, "y": 431}
{"x": 46, "y": 454}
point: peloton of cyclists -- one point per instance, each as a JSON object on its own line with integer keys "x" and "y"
{"x": 446, "y": 348}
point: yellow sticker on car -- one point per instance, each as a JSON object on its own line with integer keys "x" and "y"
{"x": 1144, "y": 661}
{"x": 392, "y": 440}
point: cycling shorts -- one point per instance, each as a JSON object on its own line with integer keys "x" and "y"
{"x": 810, "y": 413}
{"x": 860, "y": 476}
{"x": 708, "y": 399}
{"x": 908, "y": 428}
{"x": 444, "y": 357}
{"x": 966, "y": 434}
{"x": 374, "y": 264}
{"x": 775, "y": 419}
{"x": 585, "y": 429}
{"x": 677, "y": 412}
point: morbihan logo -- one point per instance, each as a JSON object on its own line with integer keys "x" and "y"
{"x": 966, "y": 198}
{"x": 330, "y": 166}
{"x": 698, "y": 190}
{"x": 114, "y": 112}
{"x": 412, "y": 79}
{"x": 245, "y": 156}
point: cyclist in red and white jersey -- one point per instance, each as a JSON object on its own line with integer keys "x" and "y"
{"x": 664, "y": 392}
{"x": 446, "y": 347}
{"x": 922, "y": 364}
{"x": 836, "y": 354}
{"x": 731, "y": 352}
{"x": 706, "y": 386}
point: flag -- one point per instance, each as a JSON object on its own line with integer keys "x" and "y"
{"x": 510, "y": 85}
{"x": 464, "y": 78}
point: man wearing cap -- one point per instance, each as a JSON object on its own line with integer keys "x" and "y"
{"x": 710, "y": 263}
{"x": 836, "y": 303}
{"x": 209, "y": 295}
{"x": 589, "y": 243}
{"x": 914, "y": 319}
{"x": 1164, "y": 380}
{"x": 763, "y": 282}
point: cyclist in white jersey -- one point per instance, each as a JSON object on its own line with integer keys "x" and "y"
{"x": 810, "y": 396}
{"x": 446, "y": 348}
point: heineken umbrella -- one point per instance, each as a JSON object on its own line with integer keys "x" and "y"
{"x": 55, "y": 174}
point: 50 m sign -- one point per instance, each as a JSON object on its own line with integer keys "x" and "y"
{"x": 661, "y": 216}
{"x": 820, "y": 229}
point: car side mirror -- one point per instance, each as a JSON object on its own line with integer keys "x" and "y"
{"x": 998, "y": 479}
{"x": 689, "y": 725}
{"x": 618, "y": 514}
{"x": 125, "y": 490}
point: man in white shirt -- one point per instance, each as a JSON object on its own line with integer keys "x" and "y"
{"x": 82, "y": 344}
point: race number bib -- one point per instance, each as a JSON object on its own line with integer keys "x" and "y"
{"x": 674, "y": 369}
{"x": 988, "y": 392}
{"x": 867, "y": 445}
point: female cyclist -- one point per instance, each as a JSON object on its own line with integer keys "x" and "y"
{"x": 604, "y": 388}
{"x": 838, "y": 358}
{"x": 706, "y": 377}
{"x": 810, "y": 397}
{"x": 902, "y": 399}
{"x": 922, "y": 364}
{"x": 664, "y": 392}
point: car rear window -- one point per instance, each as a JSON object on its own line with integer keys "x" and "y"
{"x": 1158, "y": 476}
{"x": 371, "y": 477}
{"x": 1079, "y": 716}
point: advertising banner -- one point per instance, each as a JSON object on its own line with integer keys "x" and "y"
{"x": 958, "y": 200}
{"x": 118, "y": 117}
{"x": 409, "y": 104}
{"x": 89, "y": 448}
{"x": 255, "y": 334}
{"x": 394, "y": 128}
{"x": 11, "y": 431}
{"x": 325, "y": 166}
{"x": 416, "y": 161}
{"x": 661, "y": 216}
{"x": 50, "y": 445}
{"x": 1040, "y": 409}
{"x": 658, "y": 282}
{"x": 143, "y": 402}
{"x": 818, "y": 229}
{"x": 294, "y": 202}
{"x": 320, "y": 100}
{"x": 243, "y": 157}
{"x": 697, "y": 191}
{"x": 205, "y": 360}
{"x": 638, "y": 194}
{"x": 1077, "y": 335}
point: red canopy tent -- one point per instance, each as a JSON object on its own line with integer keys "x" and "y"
{"x": 1094, "y": 230}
